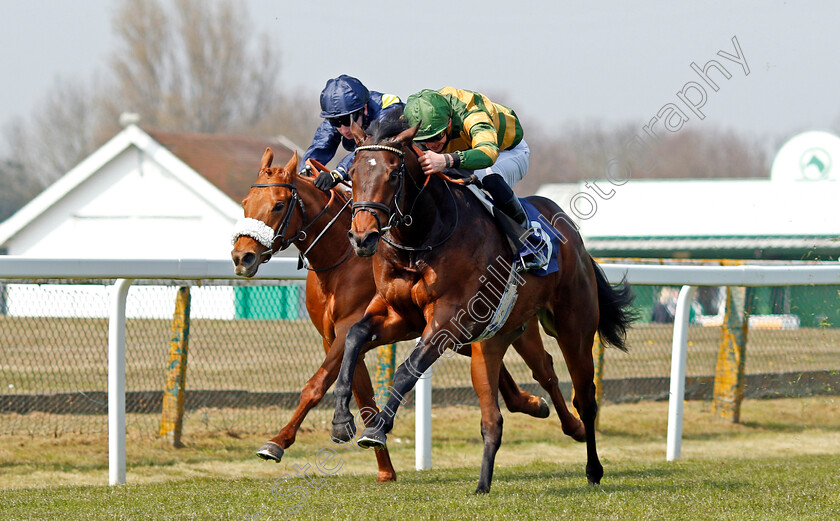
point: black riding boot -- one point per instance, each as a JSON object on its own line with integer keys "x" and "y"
{"x": 529, "y": 244}
{"x": 504, "y": 198}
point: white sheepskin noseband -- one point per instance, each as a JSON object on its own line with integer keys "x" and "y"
{"x": 257, "y": 230}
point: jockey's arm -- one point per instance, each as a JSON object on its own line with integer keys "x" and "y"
{"x": 344, "y": 165}
{"x": 324, "y": 144}
{"x": 484, "y": 146}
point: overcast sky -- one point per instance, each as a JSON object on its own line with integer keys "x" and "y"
{"x": 554, "y": 62}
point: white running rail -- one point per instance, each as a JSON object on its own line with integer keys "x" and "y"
{"x": 125, "y": 271}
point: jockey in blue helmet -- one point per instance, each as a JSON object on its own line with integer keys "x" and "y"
{"x": 343, "y": 101}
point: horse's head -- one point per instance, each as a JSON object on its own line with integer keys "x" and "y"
{"x": 270, "y": 216}
{"x": 379, "y": 175}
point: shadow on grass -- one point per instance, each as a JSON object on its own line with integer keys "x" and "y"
{"x": 544, "y": 472}
{"x": 54, "y": 466}
{"x": 567, "y": 483}
{"x": 723, "y": 431}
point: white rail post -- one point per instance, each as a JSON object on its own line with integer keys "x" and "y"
{"x": 116, "y": 383}
{"x": 678, "y": 356}
{"x": 423, "y": 421}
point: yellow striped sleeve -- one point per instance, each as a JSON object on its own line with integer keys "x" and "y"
{"x": 475, "y": 118}
{"x": 510, "y": 132}
{"x": 490, "y": 151}
{"x": 483, "y": 135}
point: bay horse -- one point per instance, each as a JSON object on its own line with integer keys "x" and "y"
{"x": 432, "y": 261}
{"x": 339, "y": 286}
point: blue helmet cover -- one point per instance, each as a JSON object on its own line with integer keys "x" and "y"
{"x": 343, "y": 95}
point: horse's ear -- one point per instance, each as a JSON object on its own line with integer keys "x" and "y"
{"x": 291, "y": 166}
{"x": 358, "y": 133}
{"x": 407, "y": 136}
{"x": 268, "y": 157}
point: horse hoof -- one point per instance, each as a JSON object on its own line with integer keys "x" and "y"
{"x": 343, "y": 432}
{"x": 594, "y": 473}
{"x": 372, "y": 439}
{"x": 271, "y": 451}
{"x": 482, "y": 490}
{"x": 544, "y": 410}
{"x": 384, "y": 477}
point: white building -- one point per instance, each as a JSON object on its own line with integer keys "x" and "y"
{"x": 792, "y": 215}
{"x": 143, "y": 194}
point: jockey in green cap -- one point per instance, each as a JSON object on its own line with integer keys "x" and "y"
{"x": 461, "y": 129}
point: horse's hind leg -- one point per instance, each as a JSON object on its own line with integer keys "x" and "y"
{"x": 530, "y": 347}
{"x": 484, "y": 369}
{"x": 576, "y": 341}
{"x": 518, "y": 400}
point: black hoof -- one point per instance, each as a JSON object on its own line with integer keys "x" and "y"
{"x": 342, "y": 432}
{"x": 271, "y": 451}
{"x": 372, "y": 439}
{"x": 545, "y": 410}
{"x": 594, "y": 474}
{"x": 482, "y": 490}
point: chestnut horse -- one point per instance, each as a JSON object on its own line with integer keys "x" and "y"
{"x": 279, "y": 199}
{"x": 431, "y": 262}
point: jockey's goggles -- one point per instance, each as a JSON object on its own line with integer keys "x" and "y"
{"x": 433, "y": 139}
{"x": 345, "y": 120}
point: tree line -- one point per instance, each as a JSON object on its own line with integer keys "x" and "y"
{"x": 198, "y": 66}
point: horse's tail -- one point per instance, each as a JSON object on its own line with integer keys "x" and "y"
{"x": 615, "y": 311}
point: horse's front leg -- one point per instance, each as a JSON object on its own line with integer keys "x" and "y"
{"x": 310, "y": 396}
{"x": 434, "y": 341}
{"x": 314, "y": 391}
{"x": 379, "y": 325}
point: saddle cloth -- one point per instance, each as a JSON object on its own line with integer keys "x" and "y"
{"x": 551, "y": 237}
{"x": 509, "y": 295}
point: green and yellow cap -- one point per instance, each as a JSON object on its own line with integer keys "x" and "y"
{"x": 430, "y": 109}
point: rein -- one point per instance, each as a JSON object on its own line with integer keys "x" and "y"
{"x": 318, "y": 238}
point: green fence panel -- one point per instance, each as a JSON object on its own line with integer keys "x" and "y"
{"x": 816, "y": 305}
{"x": 268, "y": 302}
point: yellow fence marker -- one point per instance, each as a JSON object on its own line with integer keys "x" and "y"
{"x": 729, "y": 372}
{"x": 172, "y": 420}
{"x": 384, "y": 372}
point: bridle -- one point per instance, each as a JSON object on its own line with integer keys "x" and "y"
{"x": 296, "y": 201}
{"x": 287, "y": 217}
{"x": 396, "y": 217}
{"x": 371, "y": 206}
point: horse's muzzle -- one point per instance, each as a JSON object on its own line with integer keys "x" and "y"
{"x": 245, "y": 263}
{"x": 364, "y": 245}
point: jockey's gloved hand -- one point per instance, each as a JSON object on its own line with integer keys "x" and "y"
{"x": 306, "y": 171}
{"x": 327, "y": 180}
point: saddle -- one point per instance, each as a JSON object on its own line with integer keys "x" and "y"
{"x": 511, "y": 280}
{"x": 537, "y": 241}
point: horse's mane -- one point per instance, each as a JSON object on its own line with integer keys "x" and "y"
{"x": 389, "y": 126}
